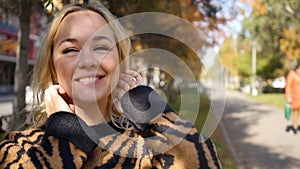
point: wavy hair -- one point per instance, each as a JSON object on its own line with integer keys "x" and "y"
{"x": 44, "y": 74}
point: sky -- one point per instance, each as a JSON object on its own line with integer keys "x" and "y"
{"x": 235, "y": 11}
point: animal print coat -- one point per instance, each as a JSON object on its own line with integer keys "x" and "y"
{"x": 158, "y": 139}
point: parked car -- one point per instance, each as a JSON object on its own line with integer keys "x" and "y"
{"x": 279, "y": 83}
{"x": 277, "y": 86}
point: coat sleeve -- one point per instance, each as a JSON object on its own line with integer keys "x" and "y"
{"x": 184, "y": 146}
{"x": 63, "y": 143}
{"x": 173, "y": 142}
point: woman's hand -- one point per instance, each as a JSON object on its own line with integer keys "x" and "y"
{"x": 57, "y": 100}
{"x": 128, "y": 80}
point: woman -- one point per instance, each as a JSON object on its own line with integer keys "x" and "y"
{"x": 80, "y": 123}
{"x": 292, "y": 94}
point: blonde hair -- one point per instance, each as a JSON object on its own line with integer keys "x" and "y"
{"x": 44, "y": 74}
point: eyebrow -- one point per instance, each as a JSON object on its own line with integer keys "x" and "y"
{"x": 99, "y": 37}
{"x": 95, "y": 38}
{"x": 67, "y": 40}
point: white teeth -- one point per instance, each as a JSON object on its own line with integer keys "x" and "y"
{"x": 88, "y": 79}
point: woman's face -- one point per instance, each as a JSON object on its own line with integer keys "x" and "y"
{"x": 85, "y": 61}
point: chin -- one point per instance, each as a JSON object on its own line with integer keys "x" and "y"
{"x": 89, "y": 98}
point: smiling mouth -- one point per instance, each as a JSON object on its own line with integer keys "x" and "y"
{"x": 89, "y": 79}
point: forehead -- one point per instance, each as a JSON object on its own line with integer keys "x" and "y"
{"x": 79, "y": 24}
{"x": 86, "y": 15}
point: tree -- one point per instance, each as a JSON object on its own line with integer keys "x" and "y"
{"x": 191, "y": 10}
{"x": 22, "y": 63}
{"x": 273, "y": 26}
{"x": 290, "y": 43}
{"x": 211, "y": 17}
{"x": 22, "y": 9}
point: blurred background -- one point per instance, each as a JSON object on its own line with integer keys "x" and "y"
{"x": 257, "y": 42}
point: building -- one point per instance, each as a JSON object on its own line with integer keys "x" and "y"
{"x": 8, "y": 45}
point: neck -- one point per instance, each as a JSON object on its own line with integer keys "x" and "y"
{"x": 93, "y": 113}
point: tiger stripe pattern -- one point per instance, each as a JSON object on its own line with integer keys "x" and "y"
{"x": 30, "y": 149}
{"x": 165, "y": 142}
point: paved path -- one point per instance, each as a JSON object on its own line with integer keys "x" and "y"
{"x": 6, "y": 108}
{"x": 257, "y": 134}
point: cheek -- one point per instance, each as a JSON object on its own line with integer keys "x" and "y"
{"x": 64, "y": 72}
{"x": 110, "y": 65}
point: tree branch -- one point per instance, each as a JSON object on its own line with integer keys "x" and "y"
{"x": 291, "y": 11}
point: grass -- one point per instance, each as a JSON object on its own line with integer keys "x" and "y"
{"x": 275, "y": 99}
{"x": 224, "y": 153}
{"x": 217, "y": 137}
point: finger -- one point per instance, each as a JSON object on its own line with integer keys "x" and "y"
{"x": 61, "y": 90}
{"x": 118, "y": 93}
{"x": 130, "y": 80}
{"x": 64, "y": 94}
{"x": 56, "y": 92}
{"x": 48, "y": 97}
{"x": 132, "y": 73}
{"x": 54, "y": 101}
{"x": 124, "y": 84}
{"x": 136, "y": 75}
{"x": 140, "y": 80}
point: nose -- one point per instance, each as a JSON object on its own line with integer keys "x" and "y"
{"x": 86, "y": 60}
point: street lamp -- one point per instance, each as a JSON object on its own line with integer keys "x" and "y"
{"x": 253, "y": 86}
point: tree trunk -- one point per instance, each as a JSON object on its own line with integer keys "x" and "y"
{"x": 19, "y": 112}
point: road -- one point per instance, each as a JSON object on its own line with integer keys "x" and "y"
{"x": 257, "y": 134}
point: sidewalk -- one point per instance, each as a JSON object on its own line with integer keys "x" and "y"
{"x": 6, "y": 104}
{"x": 257, "y": 134}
